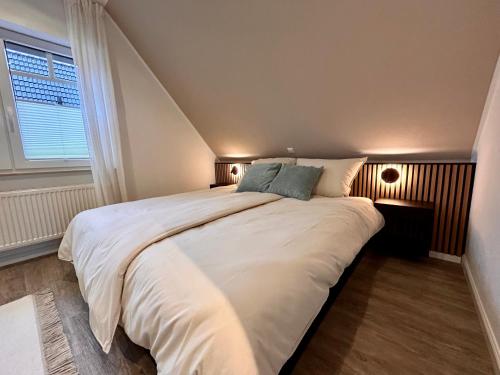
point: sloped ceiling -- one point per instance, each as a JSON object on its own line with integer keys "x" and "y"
{"x": 332, "y": 78}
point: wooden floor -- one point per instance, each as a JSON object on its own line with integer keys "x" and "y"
{"x": 393, "y": 317}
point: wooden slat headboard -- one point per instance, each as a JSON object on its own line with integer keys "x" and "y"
{"x": 223, "y": 173}
{"x": 448, "y": 185}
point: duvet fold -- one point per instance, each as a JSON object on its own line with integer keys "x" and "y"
{"x": 103, "y": 242}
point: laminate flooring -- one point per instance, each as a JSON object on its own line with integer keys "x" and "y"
{"x": 393, "y": 316}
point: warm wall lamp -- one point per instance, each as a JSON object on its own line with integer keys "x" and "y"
{"x": 390, "y": 175}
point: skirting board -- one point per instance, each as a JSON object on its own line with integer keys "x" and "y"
{"x": 492, "y": 342}
{"x": 443, "y": 256}
{"x": 28, "y": 252}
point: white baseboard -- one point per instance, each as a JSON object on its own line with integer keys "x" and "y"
{"x": 28, "y": 252}
{"x": 443, "y": 256}
{"x": 492, "y": 341}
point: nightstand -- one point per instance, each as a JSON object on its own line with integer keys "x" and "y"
{"x": 408, "y": 227}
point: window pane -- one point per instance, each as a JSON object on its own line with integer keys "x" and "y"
{"x": 25, "y": 59}
{"x": 64, "y": 68}
{"x": 45, "y": 91}
{"x": 65, "y": 71}
{"x": 48, "y": 104}
{"x": 51, "y": 131}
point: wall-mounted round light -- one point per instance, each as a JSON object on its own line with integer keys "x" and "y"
{"x": 234, "y": 170}
{"x": 390, "y": 175}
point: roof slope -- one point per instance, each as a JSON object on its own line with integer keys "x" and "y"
{"x": 330, "y": 78}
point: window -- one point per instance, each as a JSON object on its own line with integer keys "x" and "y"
{"x": 40, "y": 95}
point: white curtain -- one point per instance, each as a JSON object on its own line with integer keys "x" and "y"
{"x": 85, "y": 19}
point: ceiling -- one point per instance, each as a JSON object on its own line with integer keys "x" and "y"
{"x": 388, "y": 78}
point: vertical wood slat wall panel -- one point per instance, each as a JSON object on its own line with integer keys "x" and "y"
{"x": 223, "y": 173}
{"x": 448, "y": 185}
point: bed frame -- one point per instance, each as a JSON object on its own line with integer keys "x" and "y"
{"x": 332, "y": 296}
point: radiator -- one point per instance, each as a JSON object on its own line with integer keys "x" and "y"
{"x": 32, "y": 216}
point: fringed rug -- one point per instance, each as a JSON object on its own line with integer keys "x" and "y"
{"x": 32, "y": 340}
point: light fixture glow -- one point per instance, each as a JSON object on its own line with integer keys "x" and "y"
{"x": 390, "y": 175}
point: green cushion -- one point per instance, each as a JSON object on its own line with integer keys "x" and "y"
{"x": 258, "y": 177}
{"x": 295, "y": 181}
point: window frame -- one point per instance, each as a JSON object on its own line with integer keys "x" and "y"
{"x": 8, "y": 104}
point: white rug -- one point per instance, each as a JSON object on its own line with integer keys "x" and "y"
{"x": 32, "y": 340}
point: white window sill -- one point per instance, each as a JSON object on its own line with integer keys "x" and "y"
{"x": 12, "y": 172}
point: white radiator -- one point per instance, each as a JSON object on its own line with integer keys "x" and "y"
{"x": 31, "y": 216}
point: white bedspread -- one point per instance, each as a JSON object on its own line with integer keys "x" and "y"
{"x": 236, "y": 296}
{"x": 102, "y": 242}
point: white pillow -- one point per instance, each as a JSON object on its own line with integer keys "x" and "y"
{"x": 291, "y": 161}
{"x": 337, "y": 176}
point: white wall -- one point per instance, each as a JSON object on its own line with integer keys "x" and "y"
{"x": 45, "y": 18}
{"x": 163, "y": 153}
{"x": 483, "y": 248}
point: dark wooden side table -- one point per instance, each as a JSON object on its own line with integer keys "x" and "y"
{"x": 408, "y": 227}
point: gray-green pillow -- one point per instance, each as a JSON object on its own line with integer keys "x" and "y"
{"x": 258, "y": 177}
{"x": 295, "y": 181}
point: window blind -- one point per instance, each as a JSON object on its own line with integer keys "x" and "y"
{"x": 51, "y": 131}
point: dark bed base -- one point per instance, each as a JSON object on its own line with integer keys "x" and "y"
{"x": 334, "y": 292}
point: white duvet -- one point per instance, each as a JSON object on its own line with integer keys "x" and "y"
{"x": 232, "y": 296}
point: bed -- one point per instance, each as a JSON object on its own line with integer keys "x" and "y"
{"x": 214, "y": 282}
